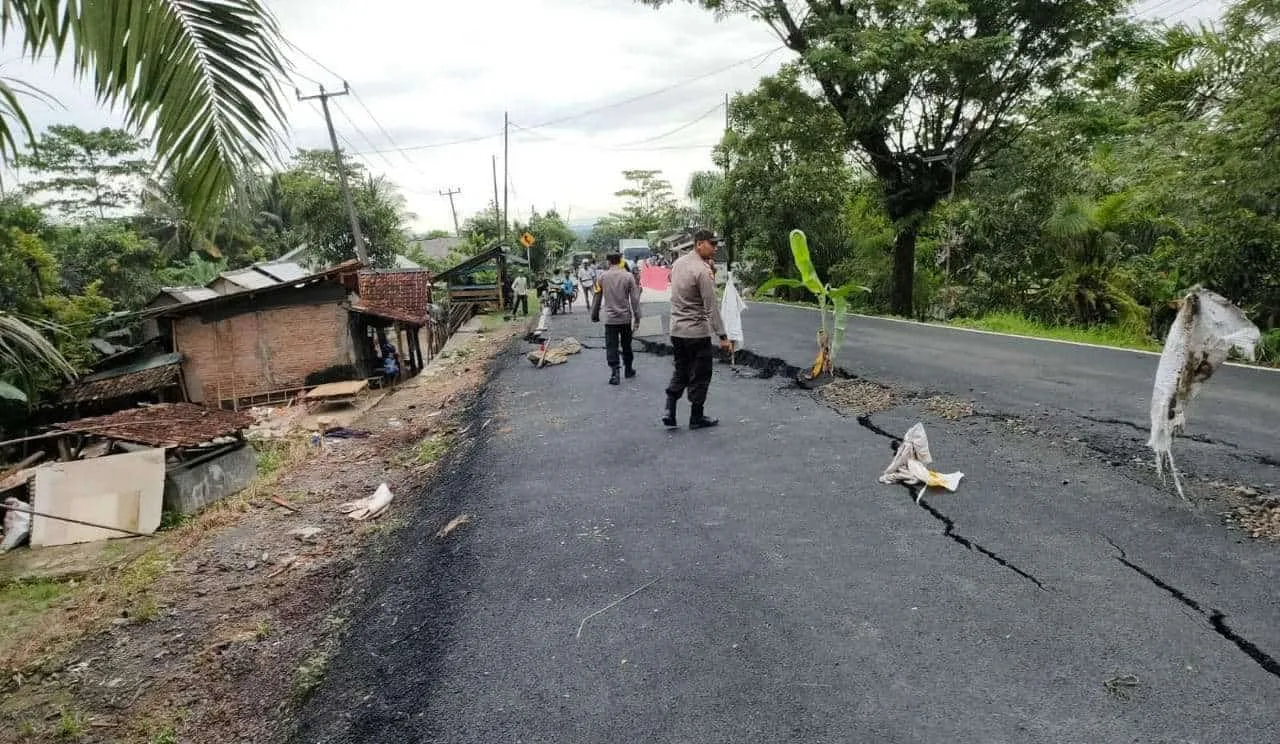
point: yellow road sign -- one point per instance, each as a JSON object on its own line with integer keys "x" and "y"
{"x": 526, "y": 240}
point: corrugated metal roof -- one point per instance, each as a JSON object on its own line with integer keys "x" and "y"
{"x": 188, "y": 294}
{"x": 248, "y": 278}
{"x": 285, "y": 271}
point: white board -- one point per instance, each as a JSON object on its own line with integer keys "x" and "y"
{"x": 120, "y": 491}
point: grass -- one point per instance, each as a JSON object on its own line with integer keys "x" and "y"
{"x": 22, "y": 603}
{"x": 1017, "y": 324}
{"x": 308, "y": 676}
{"x": 71, "y": 725}
{"x": 491, "y": 321}
{"x": 427, "y": 451}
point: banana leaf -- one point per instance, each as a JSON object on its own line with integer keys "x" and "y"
{"x": 777, "y": 282}
{"x": 844, "y": 291}
{"x": 804, "y": 263}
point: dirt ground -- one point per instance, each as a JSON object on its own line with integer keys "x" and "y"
{"x": 219, "y": 629}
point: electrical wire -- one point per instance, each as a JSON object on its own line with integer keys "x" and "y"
{"x": 588, "y": 112}
{"x": 604, "y": 148}
{"x": 360, "y": 132}
{"x": 678, "y": 129}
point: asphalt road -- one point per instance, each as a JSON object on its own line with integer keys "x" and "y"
{"x": 754, "y": 583}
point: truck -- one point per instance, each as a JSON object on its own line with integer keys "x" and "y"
{"x": 634, "y": 249}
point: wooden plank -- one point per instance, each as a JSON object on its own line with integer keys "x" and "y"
{"x": 335, "y": 389}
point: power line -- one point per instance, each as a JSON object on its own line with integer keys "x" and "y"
{"x": 363, "y": 105}
{"x": 719, "y": 105}
{"x": 659, "y": 91}
{"x": 588, "y": 112}
{"x": 603, "y": 148}
{"x": 360, "y": 132}
{"x": 303, "y": 52}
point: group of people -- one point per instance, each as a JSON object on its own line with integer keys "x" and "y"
{"x": 695, "y": 319}
{"x": 569, "y": 283}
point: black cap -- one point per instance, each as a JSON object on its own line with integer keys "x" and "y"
{"x": 704, "y": 234}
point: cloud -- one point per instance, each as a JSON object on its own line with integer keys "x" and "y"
{"x": 434, "y": 73}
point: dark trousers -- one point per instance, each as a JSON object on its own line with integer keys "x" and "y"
{"x": 615, "y": 336}
{"x": 693, "y": 365}
{"x": 521, "y": 303}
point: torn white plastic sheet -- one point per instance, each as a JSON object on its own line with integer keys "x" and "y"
{"x": 370, "y": 506}
{"x": 731, "y": 308}
{"x": 909, "y": 465}
{"x": 17, "y": 525}
{"x": 1205, "y": 330}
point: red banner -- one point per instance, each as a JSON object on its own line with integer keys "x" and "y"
{"x": 656, "y": 278}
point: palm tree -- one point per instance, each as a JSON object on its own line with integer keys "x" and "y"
{"x": 202, "y": 76}
{"x": 1092, "y": 280}
{"x": 24, "y": 352}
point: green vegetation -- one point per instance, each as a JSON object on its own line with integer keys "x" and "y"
{"x": 23, "y": 602}
{"x": 926, "y": 154}
{"x": 1020, "y": 325}
{"x": 308, "y": 676}
{"x": 71, "y": 725}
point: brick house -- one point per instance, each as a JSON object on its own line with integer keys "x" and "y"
{"x": 265, "y": 344}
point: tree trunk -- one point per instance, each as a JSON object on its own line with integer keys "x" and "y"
{"x": 904, "y": 271}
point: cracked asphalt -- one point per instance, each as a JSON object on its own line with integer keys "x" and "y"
{"x": 782, "y": 594}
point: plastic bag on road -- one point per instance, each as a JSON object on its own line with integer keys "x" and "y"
{"x": 1206, "y": 329}
{"x": 909, "y": 465}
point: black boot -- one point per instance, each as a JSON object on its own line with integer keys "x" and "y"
{"x": 670, "y": 419}
{"x": 699, "y": 421}
{"x": 629, "y": 372}
{"x": 613, "y": 377}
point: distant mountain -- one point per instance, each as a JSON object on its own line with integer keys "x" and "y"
{"x": 581, "y": 228}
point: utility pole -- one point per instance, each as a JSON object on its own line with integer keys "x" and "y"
{"x": 342, "y": 172}
{"x": 506, "y": 174}
{"x": 497, "y": 208}
{"x": 449, "y": 193}
{"x": 724, "y": 195}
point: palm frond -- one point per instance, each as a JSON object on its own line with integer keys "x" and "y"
{"x": 201, "y": 75}
{"x": 1072, "y": 219}
{"x": 23, "y": 346}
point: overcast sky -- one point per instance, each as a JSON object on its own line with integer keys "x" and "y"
{"x": 431, "y": 74}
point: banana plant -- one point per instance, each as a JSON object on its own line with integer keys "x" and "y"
{"x": 831, "y": 335}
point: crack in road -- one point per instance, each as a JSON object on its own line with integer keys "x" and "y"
{"x": 948, "y": 524}
{"x": 1217, "y": 618}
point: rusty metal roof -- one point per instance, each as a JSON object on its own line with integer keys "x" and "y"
{"x": 163, "y": 425}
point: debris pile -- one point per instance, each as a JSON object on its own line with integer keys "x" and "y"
{"x": 947, "y": 407}
{"x": 555, "y": 353}
{"x": 1261, "y": 520}
{"x": 858, "y": 396}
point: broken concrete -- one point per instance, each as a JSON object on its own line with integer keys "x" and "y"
{"x": 190, "y": 488}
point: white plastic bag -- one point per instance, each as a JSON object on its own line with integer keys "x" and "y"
{"x": 17, "y": 525}
{"x": 908, "y": 465}
{"x": 370, "y": 506}
{"x": 1206, "y": 329}
{"x": 731, "y": 309}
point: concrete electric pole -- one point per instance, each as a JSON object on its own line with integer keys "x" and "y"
{"x": 453, "y": 210}
{"x": 342, "y": 172}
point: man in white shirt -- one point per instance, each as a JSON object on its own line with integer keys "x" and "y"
{"x": 587, "y": 280}
{"x": 520, "y": 295}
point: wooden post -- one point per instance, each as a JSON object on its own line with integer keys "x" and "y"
{"x": 400, "y": 348}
